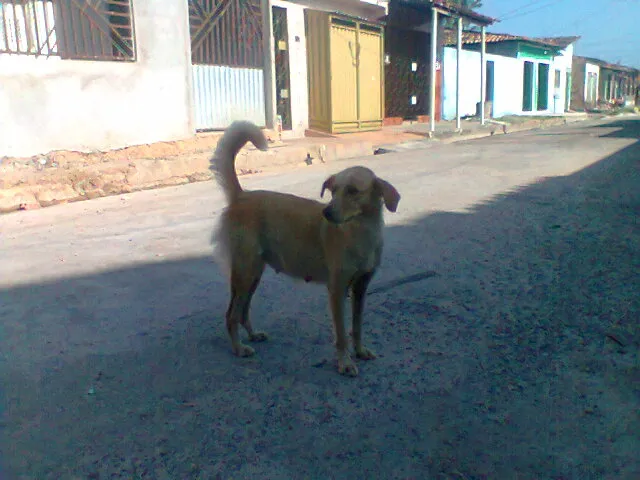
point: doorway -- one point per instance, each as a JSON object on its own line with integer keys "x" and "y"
{"x": 226, "y": 57}
{"x": 489, "y": 87}
{"x": 407, "y": 72}
{"x": 567, "y": 95}
{"x": 543, "y": 86}
{"x": 527, "y": 87}
{"x": 282, "y": 73}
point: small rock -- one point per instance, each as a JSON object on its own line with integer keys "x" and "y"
{"x": 29, "y": 206}
{"x": 381, "y": 151}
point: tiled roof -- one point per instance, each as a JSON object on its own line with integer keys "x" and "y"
{"x": 610, "y": 66}
{"x": 562, "y": 42}
{"x": 469, "y": 38}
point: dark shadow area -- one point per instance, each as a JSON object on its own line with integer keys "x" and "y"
{"x": 518, "y": 359}
{"x": 626, "y": 128}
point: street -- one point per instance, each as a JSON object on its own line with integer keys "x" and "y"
{"x": 511, "y": 353}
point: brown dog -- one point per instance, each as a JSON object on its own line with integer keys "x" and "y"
{"x": 338, "y": 244}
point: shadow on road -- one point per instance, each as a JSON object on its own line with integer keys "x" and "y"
{"x": 519, "y": 359}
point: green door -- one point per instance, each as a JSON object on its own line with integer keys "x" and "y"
{"x": 543, "y": 86}
{"x": 527, "y": 87}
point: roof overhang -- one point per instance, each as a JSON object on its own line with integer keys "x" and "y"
{"x": 446, "y": 7}
{"x": 352, "y": 8}
{"x": 607, "y": 65}
{"x": 474, "y": 38}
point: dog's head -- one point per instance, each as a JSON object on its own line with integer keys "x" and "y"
{"x": 357, "y": 191}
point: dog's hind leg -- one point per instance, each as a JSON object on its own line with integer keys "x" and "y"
{"x": 359, "y": 290}
{"x": 244, "y": 281}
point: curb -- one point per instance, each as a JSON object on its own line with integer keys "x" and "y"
{"x": 505, "y": 128}
{"x": 24, "y": 188}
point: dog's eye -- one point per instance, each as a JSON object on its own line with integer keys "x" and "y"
{"x": 351, "y": 190}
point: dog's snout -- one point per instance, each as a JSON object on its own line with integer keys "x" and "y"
{"x": 329, "y": 215}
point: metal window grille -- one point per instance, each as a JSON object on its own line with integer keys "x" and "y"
{"x": 70, "y": 29}
{"x": 27, "y": 27}
{"x": 226, "y": 32}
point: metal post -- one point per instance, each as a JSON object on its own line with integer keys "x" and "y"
{"x": 269, "y": 65}
{"x": 189, "y": 98}
{"x": 483, "y": 72}
{"x": 432, "y": 86}
{"x": 458, "y": 55}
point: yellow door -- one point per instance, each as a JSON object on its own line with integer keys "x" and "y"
{"x": 369, "y": 76}
{"x": 344, "y": 78}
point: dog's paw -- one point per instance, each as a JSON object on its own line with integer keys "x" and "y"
{"x": 364, "y": 353}
{"x": 242, "y": 350}
{"x": 346, "y": 366}
{"x": 258, "y": 337}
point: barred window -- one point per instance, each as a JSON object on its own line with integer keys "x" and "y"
{"x": 226, "y": 32}
{"x": 27, "y": 27}
{"x": 70, "y": 29}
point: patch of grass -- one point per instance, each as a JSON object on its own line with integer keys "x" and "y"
{"x": 627, "y": 109}
{"x": 619, "y": 110}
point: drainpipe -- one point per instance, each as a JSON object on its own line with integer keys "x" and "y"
{"x": 269, "y": 62}
{"x": 432, "y": 86}
{"x": 458, "y": 55}
{"x": 483, "y": 72}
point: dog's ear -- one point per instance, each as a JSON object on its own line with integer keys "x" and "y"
{"x": 328, "y": 184}
{"x": 389, "y": 194}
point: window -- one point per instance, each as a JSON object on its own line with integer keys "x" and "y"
{"x": 226, "y": 32}
{"x": 556, "y": 82}
{"x": 592, "y": 87}
{"x": 70, "y": 29}
{"x": 26, "y": 27}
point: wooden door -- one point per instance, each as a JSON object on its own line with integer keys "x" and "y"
{"x": 344, "y": 73}
{"x": 369, "y": 74}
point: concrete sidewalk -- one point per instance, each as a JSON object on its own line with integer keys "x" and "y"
{"x": 60, "y": 177}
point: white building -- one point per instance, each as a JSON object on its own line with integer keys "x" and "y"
{"x": 67, "y": 84}
{"x": 525, "y": 76}
{"x": 141, "y": 71}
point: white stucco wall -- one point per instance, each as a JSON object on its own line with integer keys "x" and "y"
{"x": 508, "y": 83}
{"x": 297, "y": 68}
{"x": 562, "y": 62}
{"x": 508, "y": 79}
{"x": 51, "y": 104}
{"x": 595, "y": 69}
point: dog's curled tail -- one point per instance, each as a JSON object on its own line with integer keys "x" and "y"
{"x": 222, "y": 164}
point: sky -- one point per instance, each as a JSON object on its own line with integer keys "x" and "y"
{"x": 609, "y": 29}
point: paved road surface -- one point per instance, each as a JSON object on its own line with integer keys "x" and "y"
{"x": 518, "y": 359}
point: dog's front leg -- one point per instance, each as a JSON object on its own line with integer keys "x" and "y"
{"x": 359, "y": 290}
{"x": 337, "y": 295}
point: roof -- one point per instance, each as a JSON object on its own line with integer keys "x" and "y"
{"x": 610, "y": 66}
{"x": 450, "y": 8}
{"x": 562, "y": 42}
{"x": 470, "y": 38}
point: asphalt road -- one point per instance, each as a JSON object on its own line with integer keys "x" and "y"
{"x": 505, "y": 316}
